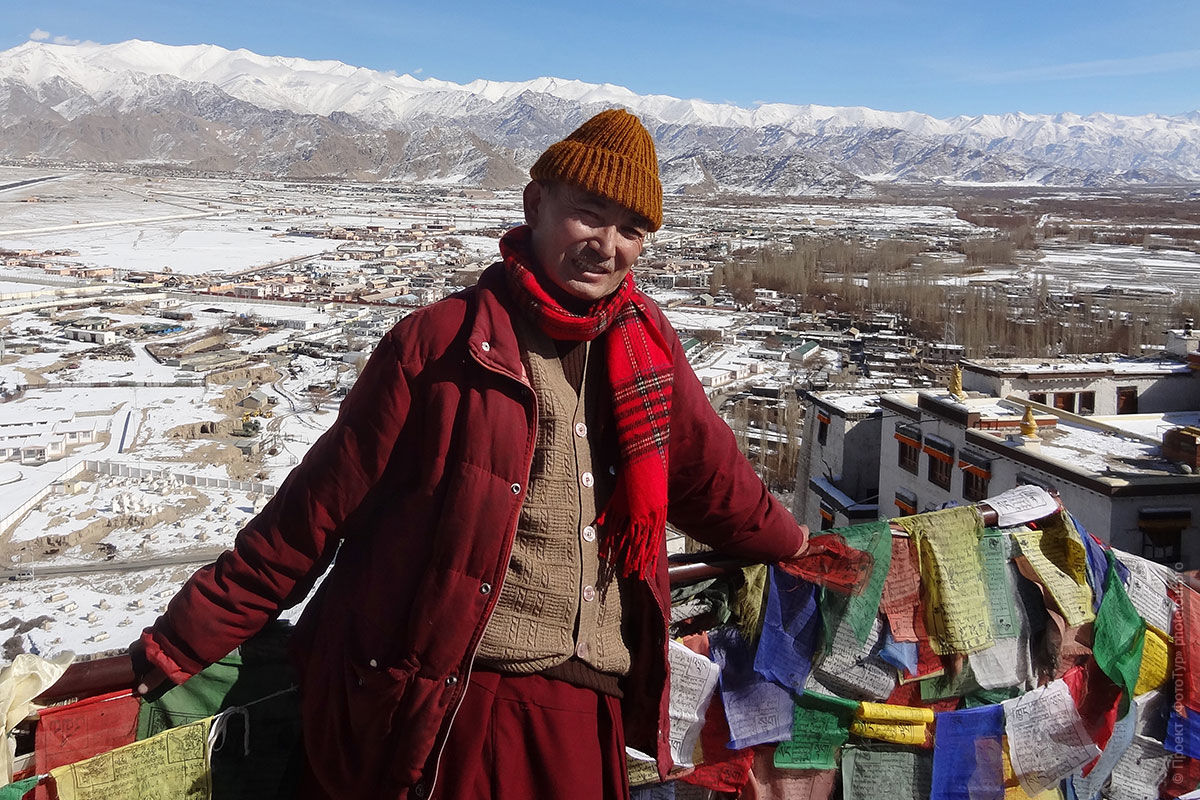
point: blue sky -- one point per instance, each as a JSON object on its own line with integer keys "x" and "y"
{"x": 937, "y": 57}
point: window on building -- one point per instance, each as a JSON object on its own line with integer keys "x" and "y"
{"x": 1065, "y": 401}
{"x": 1162, "y": 533}
{"x": 1087, "y": 403}
{"x": 826, "y": 517}
{"x": 975, "y": 486}
{"x": 822, "y": 431}
{"x": 977, "y": 474}
{"x": 1038, "y": 397}
{"x": 908, "y": 438}
{"x": 939, "y": 471}
{"x": 906, "y": 501}
{"x": 941, "y": 460}
{"x": 1127, "y": 400}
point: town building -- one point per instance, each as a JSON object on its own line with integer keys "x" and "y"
{"x": 1129, "y": 473}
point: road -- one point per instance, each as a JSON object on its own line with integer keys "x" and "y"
{"x": 189, "y": 557}
{"x": 75, "y": 226}
{"x": 29, "y": 182}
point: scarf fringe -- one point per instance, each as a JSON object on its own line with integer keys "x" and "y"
{"x": 635, "y": 546}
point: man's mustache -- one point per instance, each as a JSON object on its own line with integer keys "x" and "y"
{"x": 589, "y": 258}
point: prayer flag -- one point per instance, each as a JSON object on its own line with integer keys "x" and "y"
{"x": 956, "y": 602}
{"x": 860, "y": 610}
{"x": 757, "y": 710}
{"x": 821, "y": 725}
{"x": 791, "y": 625}
{"x": 967, "y": 755}
{"x": 1119, "y": 637}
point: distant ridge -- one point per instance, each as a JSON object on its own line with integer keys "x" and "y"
{"x": 203, "y": 107}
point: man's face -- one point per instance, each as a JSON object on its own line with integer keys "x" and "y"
{"x": 584, "y": 243}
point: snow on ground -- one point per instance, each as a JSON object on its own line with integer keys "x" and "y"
{"x": 1097, "y": 451}
{"x": 1152, "y": 425}
{"x": 190, "y": 247}
{"x": 693, "y": 318}
{"x": 879, "y": 218}
{"x": 1097, "y": 266}
{"x": 106, "y": 612}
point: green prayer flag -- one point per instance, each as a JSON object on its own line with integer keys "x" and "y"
{"x": 994, "y": 555}
{"x": 945, "y": 686}
{"x": 861, "y": 609}
{"x": 991, "y": 697}
{"x": 17, "y": 790}
{"x": 201, "y": 696}
{"x": 820, "y": 725}
{"x": 258, "y": 677}
{"x": 1119, "y": 634}
{"x": 750, "y": 600}
{"x": 871, "y": 772}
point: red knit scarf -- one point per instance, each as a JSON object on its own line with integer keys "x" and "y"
{"x": 640, "y": 372}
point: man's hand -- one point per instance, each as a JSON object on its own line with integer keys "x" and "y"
{"x": 149, "y": 681}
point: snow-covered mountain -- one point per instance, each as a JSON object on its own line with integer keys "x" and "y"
{"x": 207, "y": 108}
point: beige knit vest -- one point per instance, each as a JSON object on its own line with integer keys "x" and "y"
{"x": 550, "y": 607}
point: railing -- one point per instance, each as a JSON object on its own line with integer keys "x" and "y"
{"x": 692, "y": 567}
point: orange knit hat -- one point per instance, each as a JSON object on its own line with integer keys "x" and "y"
{"x": 611, "y": 155}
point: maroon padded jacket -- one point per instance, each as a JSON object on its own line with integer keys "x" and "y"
{"x": 419, "y": 481}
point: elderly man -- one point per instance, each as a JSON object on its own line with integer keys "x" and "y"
{"x": 498, "y": 481}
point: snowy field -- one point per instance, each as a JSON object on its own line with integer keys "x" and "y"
{"x": 880, "y": 219}
{"x": 1097, "y": 266}
{"x": 158, "y": 528}
{"x": 200, "y": 226}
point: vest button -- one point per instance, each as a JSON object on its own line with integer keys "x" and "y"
{"x": 589, "y": 534}
{"x": 582, "y": 650}
{"x": 485, "y": 588}
{"x": 580, "y": 430}
{"x": 373, "y": 663}
{"x": 485, "y": 347}
{"x": 589, "y": 594}
{"x": 420, "y": 789}
{"x": 516, "y": 488}
{"x": 587, "y": 480}
{"x": 451, "y": 680}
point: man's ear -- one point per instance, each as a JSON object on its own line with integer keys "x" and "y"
{"x": 533, "y": 200}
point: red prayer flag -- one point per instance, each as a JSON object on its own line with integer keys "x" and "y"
{"x": 828, "y": 561}
{"x": 723, "y": 770}
{"x": 70, "y": 733}
{"x": 1187, "y": 644}
{"x": 1183, "y": 776}
{"x": 901, "y": 601}
{"x": 909, "y": 694}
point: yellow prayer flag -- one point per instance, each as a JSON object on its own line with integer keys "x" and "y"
{"x": 1012, "y": 785}
{"x": 882, "y": 712}
{"x": 172, "y": 764}
{"x": 1156, "y": 662}
{"x": 1058, "y": 560}
{"x": 896, "y": 733}
{"x": 956, "y": 602}
{"x": 896, "y": 724}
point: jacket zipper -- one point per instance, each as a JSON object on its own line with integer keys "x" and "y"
{"x": 508, "y": 546}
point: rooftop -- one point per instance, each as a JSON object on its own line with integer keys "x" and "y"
{"x": 1105, "y": 364}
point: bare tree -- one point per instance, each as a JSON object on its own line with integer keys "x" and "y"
{"x": 318, "y": 395}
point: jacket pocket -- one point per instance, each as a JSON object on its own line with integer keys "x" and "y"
{"x": 350, "y": 732}
{"x": 373, "y": 694}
